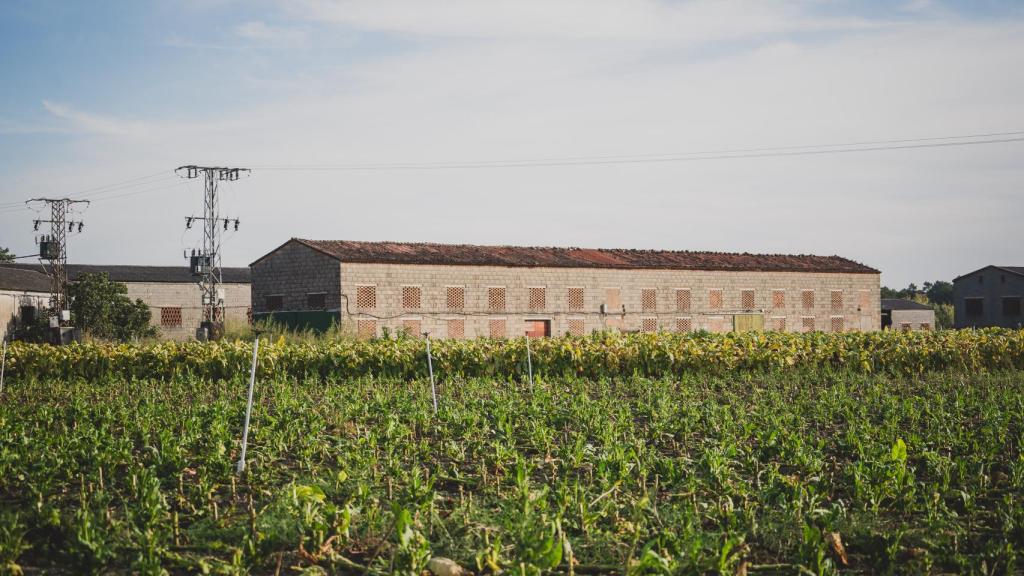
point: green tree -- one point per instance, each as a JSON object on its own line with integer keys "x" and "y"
{"x": 939, "y": 292}
{"x": 6, "y": 255}
{"x": 100, "y": 308}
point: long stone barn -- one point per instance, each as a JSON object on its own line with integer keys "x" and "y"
{"x": 462, "y": 291}
{"x": 171, "y": 292}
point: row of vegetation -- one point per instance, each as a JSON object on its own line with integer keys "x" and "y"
{"x": 780, "y": 472}
{"x": 600, "y": 355}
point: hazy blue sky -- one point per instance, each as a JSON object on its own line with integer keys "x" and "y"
{"x": 97, "y": 93}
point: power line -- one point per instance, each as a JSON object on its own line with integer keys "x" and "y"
{"x": 765, "y": 152}
{"x": 108, "y": 188}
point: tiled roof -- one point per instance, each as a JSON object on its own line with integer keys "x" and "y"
{"x": 515, "y": 256}
{"x": 14, "y": 278}
{"x": 900, "y": 304}
{"x": 128, "y": 273}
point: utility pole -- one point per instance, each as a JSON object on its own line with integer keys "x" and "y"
{"x": 206, "y": 265}
{"x": 54, "y": 249}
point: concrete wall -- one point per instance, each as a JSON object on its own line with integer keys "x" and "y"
{"x": 991, "y": 285}
{"x": 187, "y": 297}
{"x": 914, "y": 319}
{"x": 11, "y": 302}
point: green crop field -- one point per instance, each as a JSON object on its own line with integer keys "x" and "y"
{"x": 780, "y": 472}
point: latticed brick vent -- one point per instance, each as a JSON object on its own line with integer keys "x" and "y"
{"x": 648, "y": 324}
{"x": 574, "y": 298}
{"x": 455, "y": 298}
{"x": 275, "y": 302}
{"x": 779, "y": 323}
{"x": 715, "y": 299}
{"x": 316, "y": 301}
{"x": 684, "y": 324}
{"x": 366, "y": 297}
{"x": 538, "y": 298}
{"x": 412, "y": 326}
{"x": 496, "y": 328}
{"x": 837, "y": 300}
{"x": 496, "y": 298}
{"x": 747, "y": 299}
{"x": 648, "y": 299}
{"x": 926, "y": 326}
{"x": 778, "y": 299}
{"x": 577, "y": 327}
{"x": 837, "y": 323}
{"x": 905, "y": 326}
{"x": 366, "y": 328}
{"x": 412, "y": 296}
{"x": 248, "y": 315}
{"x": 807, "y": 323}
{"x": 807, "y": 299}
{"x": 683, "y": 299}
{"x": 170, "y": 316}
{"x": 456, "y": 328}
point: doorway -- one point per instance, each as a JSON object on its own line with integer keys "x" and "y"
{"x": 538, "y": 328}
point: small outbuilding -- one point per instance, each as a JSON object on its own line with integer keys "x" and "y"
{"x": 900, "y": 314}
{"x": 22, "y": 294}
{"x": 989, "y": 296}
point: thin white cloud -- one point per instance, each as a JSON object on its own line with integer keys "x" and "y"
{"x": 272, "y": 36}
{"x": 96, "y": 123}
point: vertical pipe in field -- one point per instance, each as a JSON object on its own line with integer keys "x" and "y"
{"x": 529, "y": 362}
{"x": 248, "y": 406}
{"x": 430, "y": 369}
{"x": 3, "y": 365}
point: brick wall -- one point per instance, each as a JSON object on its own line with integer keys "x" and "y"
{"x": 856, "y": 302}
{"x": 184, "y": 301}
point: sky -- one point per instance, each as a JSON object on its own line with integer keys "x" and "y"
{"x": 593, "y": 123}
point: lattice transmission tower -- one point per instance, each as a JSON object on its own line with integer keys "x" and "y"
{"x": 53, "y": 249}
{"x": 206, "y": 264}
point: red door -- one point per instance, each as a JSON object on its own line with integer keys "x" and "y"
{"x": 538, "y": 328}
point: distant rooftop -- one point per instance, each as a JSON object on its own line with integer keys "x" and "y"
{"x": 20, "y": 280}
{"x": 540, "y": 257}
{"x": 900, "y": 304}
{"x": 130, "y": 273}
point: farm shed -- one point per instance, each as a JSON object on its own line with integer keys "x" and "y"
{"x": 465, "y": 291}
{"x": 22, "y": 294}
{"x": 990, "y": 296}
{"x": 171, "y": 292}
{"x": 899, "y": 314}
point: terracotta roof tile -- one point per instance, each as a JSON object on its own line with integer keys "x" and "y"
{"x": 535, "y": 257}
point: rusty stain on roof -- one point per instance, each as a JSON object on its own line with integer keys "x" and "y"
{"x": 548, "y": 257}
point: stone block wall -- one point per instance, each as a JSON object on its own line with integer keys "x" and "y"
{"x": 857, "y": 305}
{"x": 177, "y": 310}
{"x": 293, "y": 272}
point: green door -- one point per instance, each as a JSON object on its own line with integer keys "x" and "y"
{"x": 748, "y": 322}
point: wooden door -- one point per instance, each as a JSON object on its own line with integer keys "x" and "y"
{"x": 538, "y": 328}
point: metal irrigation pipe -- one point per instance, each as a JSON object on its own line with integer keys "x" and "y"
{"x": 430, "y": 369}
{"x": 248, "y": 406}
{"x": 529, "y": 362}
